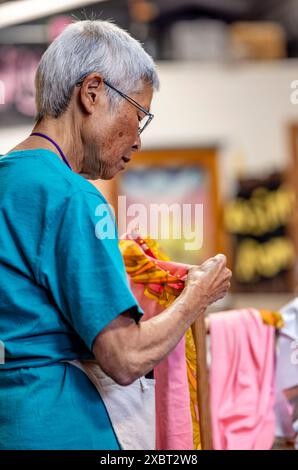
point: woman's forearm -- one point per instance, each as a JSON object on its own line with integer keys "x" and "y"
{"x": 154, "y": 339}
{"x": 127, "y": 350}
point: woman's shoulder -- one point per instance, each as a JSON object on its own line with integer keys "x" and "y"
{"x": 40, "y": 175}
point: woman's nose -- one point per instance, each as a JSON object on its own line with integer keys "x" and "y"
{"x": 137, "y": 144}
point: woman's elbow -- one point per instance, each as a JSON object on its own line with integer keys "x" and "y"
{"x": 122, "y": 370}
{"x": 122, "y": 376}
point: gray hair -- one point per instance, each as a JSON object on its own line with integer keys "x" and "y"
{"x": 85, "y": 47}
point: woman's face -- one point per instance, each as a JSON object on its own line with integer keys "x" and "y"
{"x": 110, "y": 135}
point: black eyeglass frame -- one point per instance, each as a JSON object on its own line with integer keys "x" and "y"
{"x": 129, "y": 99}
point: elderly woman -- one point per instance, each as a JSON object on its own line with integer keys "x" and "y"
{"x": 63, "y": 290}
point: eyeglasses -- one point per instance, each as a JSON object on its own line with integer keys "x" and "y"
{"x": 150, "y": 116}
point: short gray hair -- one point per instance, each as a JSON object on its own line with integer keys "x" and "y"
{"x": 85, "y": 47}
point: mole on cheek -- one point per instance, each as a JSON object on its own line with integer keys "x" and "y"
{"x": 120, "y": 134}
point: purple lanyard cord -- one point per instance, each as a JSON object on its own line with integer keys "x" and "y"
{"x": 56, "y": 145}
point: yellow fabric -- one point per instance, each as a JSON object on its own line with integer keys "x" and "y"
{"x": 143, "y": 270}
{"x": 272, "y": 318}
{"x": 156, "y": 249}
{"x": 191, "y": 362}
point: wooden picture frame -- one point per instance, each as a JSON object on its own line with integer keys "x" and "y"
{"x": 156, "y": 163}
{"x": 292, "y": 179}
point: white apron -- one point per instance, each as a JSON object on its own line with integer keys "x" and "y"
{"x": 131, "y": 408}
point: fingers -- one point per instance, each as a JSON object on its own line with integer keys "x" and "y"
{"x": 213, "y": 273}
{"x": 228, "y": 274}
{"x": 221, "y": 258}
{"x": 222, "y": 293}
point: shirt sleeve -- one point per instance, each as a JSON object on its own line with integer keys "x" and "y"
{"x": 82, "y": 267}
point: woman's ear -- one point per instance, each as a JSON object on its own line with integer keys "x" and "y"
{"x": 91, "y": 92}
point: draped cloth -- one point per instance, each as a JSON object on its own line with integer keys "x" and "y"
{"x": 156, "y": 283}
{"x": 242, "y": 381}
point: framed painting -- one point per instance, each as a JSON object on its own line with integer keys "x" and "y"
{"x": 172, "y": 196}
{"x": 292, "y": 178}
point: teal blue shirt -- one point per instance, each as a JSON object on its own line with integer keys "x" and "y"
{"x": 62, "y": 280}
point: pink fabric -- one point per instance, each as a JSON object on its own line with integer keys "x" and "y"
{"x": 173, "y": 416}
{"x": 242, "y": 381}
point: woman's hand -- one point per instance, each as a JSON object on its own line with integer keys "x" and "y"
{"x": 208, "y": 282}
